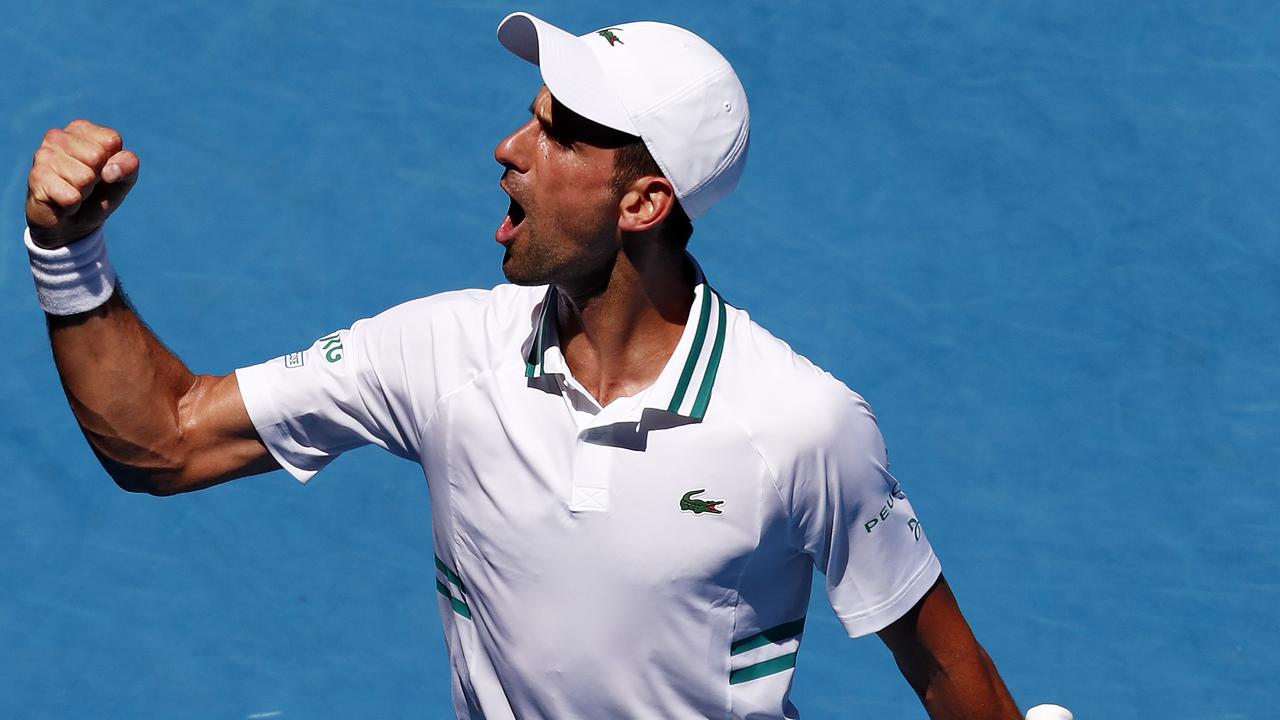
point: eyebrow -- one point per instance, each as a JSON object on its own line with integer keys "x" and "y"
{"x": 576, "y": 128}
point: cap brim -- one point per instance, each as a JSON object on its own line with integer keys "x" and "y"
{"x": 569, "y": 69}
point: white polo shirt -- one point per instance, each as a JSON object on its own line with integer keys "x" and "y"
{"x": 647, "y": 559}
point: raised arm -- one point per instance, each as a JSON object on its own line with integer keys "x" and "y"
{"x": 939, "y": 656}
{"x": 155, "y": 426}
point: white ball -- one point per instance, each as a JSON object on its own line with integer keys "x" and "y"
{"x": 1049, "y": 712}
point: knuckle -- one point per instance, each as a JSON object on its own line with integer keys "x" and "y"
{"x": 72, "y": 197}
{"x": 79, "y": 124}
{"x": 81, "y": 176}
{"x": 97, "y": 155}
{"x": 53, "y": 136}
{"x": 38, "y": 193}
{"x": 43, "y": 156}
{"x": 51, "y": 190}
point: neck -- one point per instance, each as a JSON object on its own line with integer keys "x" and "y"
{"x": 617, "y": 338}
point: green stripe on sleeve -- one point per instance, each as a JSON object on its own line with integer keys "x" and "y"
{"x": 777, "y": 633}
{"x": 691, "y": 364}
{"x": 761, "y": 669}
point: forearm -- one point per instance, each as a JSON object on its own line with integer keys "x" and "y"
{"x": 125, "y": 388}
{"x": 938, "y": 655}
{"x": 967, "y": 687}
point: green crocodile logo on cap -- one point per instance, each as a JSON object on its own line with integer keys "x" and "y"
{"x": 689, "y": 503}
{"x": 607, "y": 34}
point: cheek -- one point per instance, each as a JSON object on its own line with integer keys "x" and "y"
{"x": 573, "y": 181}
{"x": 587, "y": 193}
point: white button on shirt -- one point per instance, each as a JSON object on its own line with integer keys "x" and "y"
{"x": 651, "y": 558}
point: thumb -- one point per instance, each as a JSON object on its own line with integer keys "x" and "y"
{"x": 121, "y": 166}
{"x": 118, "y": 177}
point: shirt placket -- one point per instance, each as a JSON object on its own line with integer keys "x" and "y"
{"x": 591, "y": 475}
{"x": 594, "y": 459}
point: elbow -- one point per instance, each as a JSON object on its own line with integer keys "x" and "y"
{"x": 142, "y": 480}
{"x": 157, "y": 465}
{"x": 148, "y": 485}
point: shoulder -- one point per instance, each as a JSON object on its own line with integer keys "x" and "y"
{"x": 473, "y": 327}
{"x": 787, "y": 404}
{"x": 497, "y": 303}
{"x": 471, "y": 314}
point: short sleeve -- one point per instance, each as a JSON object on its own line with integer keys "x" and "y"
{"x": 347, "y": 389}
{"x": 853, "y": 518}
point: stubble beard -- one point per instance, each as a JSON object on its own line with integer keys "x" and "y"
{"x": 526, "y": 263}
{"x": 544, "y": 257}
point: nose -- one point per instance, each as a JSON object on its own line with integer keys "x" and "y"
{"x": 513, "y": 151}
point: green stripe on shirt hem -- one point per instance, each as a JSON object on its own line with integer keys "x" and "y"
{"x": 777, "y": 633}
{"x": 761, "y": 669}
{"x": 457, "y": 605}
{"x": 450, "y": 574}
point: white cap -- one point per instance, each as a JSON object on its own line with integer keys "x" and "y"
{"x": 657, "y": 81}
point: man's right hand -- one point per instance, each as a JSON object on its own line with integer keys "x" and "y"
{"x": 79, "y": 176}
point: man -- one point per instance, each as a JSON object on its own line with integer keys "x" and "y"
{"x": 630, "y": 481}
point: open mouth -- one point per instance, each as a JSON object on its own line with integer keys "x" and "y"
{"x": 511, "y": 223}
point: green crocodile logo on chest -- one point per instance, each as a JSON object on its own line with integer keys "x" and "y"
{"x": 689, "y": 503}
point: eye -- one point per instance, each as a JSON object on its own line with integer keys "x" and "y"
{"x": 557, "y": 135}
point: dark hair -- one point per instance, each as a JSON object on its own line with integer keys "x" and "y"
{"x": 633, "y": 160}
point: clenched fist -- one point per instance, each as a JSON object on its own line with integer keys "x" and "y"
{"x": 79, "y": 176}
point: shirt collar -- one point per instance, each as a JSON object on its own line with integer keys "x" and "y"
{"x": 684, "y": 386}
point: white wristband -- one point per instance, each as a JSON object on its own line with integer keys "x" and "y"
{"x": 74, "y": 278}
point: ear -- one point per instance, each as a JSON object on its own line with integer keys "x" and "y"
{"x": 645, "y": 204}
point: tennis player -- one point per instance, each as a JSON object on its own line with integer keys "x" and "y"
{"x": 631, "y": 482}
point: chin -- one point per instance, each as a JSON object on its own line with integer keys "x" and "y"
{"x": 520, "y": 273}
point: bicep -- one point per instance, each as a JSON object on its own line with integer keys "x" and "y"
{"x": 943, "y": 662}
{"x": 932, "y": 630}
{"x": 218, "y": 439}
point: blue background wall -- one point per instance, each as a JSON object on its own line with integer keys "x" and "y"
{"x": 1039, "y": 238}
